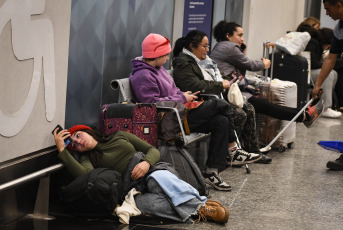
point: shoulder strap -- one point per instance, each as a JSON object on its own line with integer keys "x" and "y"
{"x": 77, "y": 188}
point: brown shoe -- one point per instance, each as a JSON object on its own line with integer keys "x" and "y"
{"x": 215, "y": 213}
{"x": 211, "y": 202}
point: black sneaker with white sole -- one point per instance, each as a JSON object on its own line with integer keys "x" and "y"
{"x": 215, "y": 181}
{"x": 241, "y": 157}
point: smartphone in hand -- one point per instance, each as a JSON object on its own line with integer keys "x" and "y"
{"x": 67, "y": 141}
{"x": 243, "y": 47}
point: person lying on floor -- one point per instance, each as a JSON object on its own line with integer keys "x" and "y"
{"x": 151, "y": 83}
{"x": 116, "y": 151}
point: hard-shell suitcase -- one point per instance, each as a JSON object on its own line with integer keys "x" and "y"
{"x": 279, "y": 92}
{"x": 282, "y": 93}
{"x": 138, "y": 119}
{"x": 293, "y": 68}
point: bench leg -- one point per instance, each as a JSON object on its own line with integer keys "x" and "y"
{"x": 200, "y": 159}
{"x": 41, "y": 209}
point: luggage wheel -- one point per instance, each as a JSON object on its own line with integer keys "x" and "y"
{"x": 291, "y": 145}
{"x": 282, "y": 148}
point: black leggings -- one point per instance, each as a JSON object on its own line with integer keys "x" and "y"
{"x": 213, "y": 116}
{"x": 274, "y": 110}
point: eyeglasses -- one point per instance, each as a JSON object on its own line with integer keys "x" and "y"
{"x": 164, "y": 43}
{"x": 206, "y": 46}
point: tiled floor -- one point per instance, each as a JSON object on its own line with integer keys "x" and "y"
{"x": 295, "y": 191}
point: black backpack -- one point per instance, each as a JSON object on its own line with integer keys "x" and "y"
{"x": 93, "y": 194}
{"x": 185, "y": 166}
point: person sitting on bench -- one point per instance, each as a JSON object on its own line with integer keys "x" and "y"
{"x": 151, "y": 83}
{"x": 229, "y": 54}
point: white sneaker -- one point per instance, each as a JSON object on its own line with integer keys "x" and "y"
{"x": 215, "y": 181}
{"x": 241, "y": 157}
{"x": 329, "y": 113}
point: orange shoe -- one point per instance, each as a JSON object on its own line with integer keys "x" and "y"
{"x": 313, "y": 112}
{"x": 214, "y": 213}
{"x": 211, "y": 202}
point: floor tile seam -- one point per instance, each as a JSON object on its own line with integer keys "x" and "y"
{"x": 238, "y": 193}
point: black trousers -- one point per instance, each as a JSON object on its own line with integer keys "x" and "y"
{"x": 213, "y": 116}
{"x": 276, "y": 111}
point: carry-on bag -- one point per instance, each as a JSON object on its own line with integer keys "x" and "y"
{"x": 94, "y": 194}
{"x": 282, "y": 93}
{"x": 185, "y": 165}
{"x": 293, "y": 68}
{"x": 138, "y": 119}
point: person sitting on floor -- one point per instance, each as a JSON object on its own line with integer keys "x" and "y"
{"x": 116, "y": 152}
{"x": 150, "y": 83}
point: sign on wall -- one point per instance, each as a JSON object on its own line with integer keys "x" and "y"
{"x": 198, "y": 16}
{"x": 34, "y": 43}
{"x": 31, "y": 39}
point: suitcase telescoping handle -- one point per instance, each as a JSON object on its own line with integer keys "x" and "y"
{"x": 145, "y": 104}
{"x": 266, "y": 48}
{"x": 269, "y": 146}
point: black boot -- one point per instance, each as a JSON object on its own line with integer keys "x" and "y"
{"x": 336, "y": 165}
{"x": 265, "y": 159}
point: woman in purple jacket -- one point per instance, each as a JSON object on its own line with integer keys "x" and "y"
{"x": 151, "y": 83}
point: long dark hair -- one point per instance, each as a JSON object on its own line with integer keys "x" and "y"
{"x": 305, "y": 27}
{"x": 223, "y": 28}
{"x": 95, "y": 154}
{"x": 326, "y": 35}
{"x": 193, "y": 38}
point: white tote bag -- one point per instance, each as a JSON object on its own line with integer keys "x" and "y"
{"x": 293, "y": 42}
{"x": 235, "y": 96}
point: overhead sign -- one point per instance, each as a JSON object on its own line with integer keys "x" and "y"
{"x": 198, "y": 16}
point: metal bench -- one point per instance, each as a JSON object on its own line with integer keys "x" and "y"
{"x": 125, "y": 95}
{"x": 41, "y": 208}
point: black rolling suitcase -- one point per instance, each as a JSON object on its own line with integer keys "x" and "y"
{"x": 293, "y": 68}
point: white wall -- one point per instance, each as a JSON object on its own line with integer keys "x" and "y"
{"x": 32, "y": 30}
{"x": 266, "y": 20}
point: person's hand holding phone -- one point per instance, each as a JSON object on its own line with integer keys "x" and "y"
{"x": 243, "y": 47}
{"x": 191, "y": 96}
{"x": 62, "y": 138}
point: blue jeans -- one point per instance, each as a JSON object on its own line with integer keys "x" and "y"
{"x": 157, "y": 203}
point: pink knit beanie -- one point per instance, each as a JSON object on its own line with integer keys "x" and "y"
{"x": 155, "y": 45}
